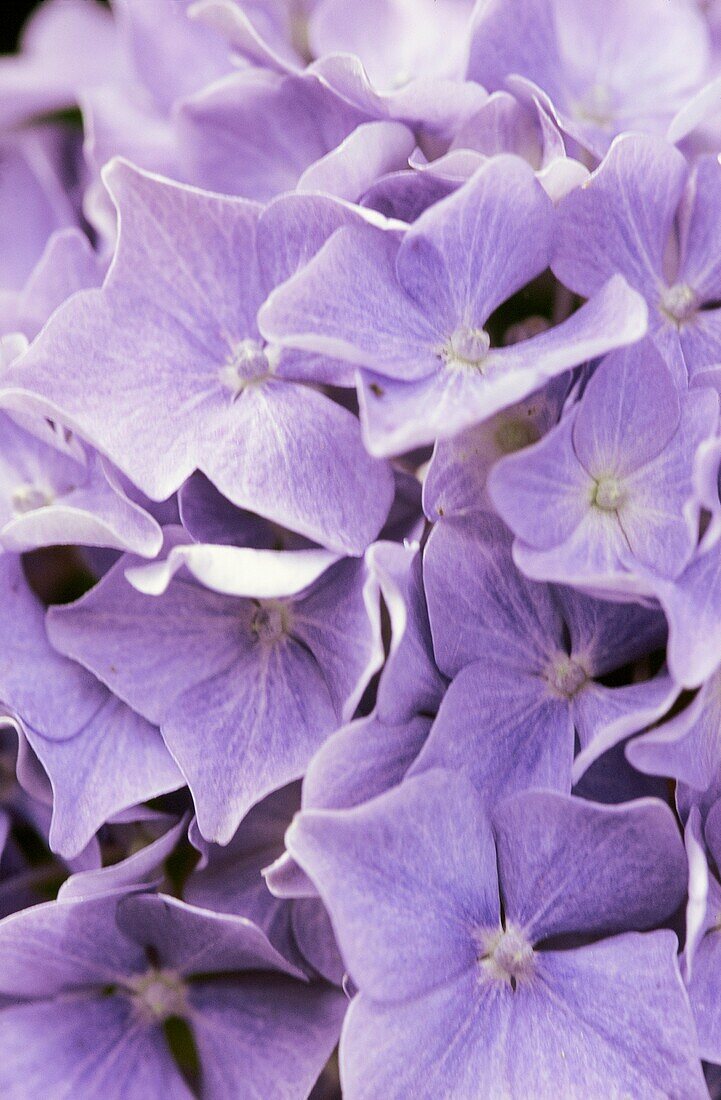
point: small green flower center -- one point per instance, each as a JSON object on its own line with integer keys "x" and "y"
{"x": 679, "y": 303}
{"x": 249, "y": 364}
{"x": 467, "y": 347}
{"x": 596, "y": 106}
{"x": 271, "y": 621}
{"x": 159, "y": 994}
{"x": 29, "y": 498}
{"x": 607, "y": 494}
{"x": 506, "y": 955}
{"x": 566, "y": 676}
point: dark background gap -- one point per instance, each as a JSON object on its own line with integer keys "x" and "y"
{"x": 13, "y": 15}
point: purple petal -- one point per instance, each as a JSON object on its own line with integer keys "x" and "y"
{"x": 362, "y": 760}
{"x": 401, "y": 878}
{"x": 268, "y": 1037}
{"x": 479, "y": 602}
{"x": 89, "y": 1045}
{"x": 195, "y": 941}
{"x": 566, "y": 865}
{"x": 60, "y": 946}
{"x": 504, "y": 729}
{"x": 621, "y": 219}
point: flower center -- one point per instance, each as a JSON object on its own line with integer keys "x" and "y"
{"x": 506, "y": 956}
{"x": 250, "y": 363}
{"x": 596, "y": 106}
{"x": 28, "y": 498}
{"x": 566, "y": 676}
{"x": 159, "y": 994}
{"x": 467, "y": 347}
{"x": 607, "y": 494}
{"x": 679, "y": 302}
{"x": 271, "y": 621}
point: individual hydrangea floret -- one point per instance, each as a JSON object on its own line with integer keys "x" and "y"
{"x": 455, "y": 990}
{"x": 244, "y": 686}
{"x": 608, "y": 495}
{"x": 599, "y": 69}
{"x": 95, "y": 982}
{"x": 526, "y": 662}
{"x": 650, "y": 216}
{"x": 226, "y": 402}
{"x": 412, "y": 312}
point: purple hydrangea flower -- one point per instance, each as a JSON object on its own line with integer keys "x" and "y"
{"x": 412, "y": 312}
{"x": 94, "y": 981}
{"x": 599, "y": 70}
{"x": 359, "y": 385}
{"x": 614, "y": 480}
{"x": 220, "y": 391}
{"x": 525, "y": 661}
{"x": 249, "y": 675}
{"x": 457, "y": 990}
{"x": 646, "y": 214}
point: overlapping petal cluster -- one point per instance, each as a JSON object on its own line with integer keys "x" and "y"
{"x": 360, "y": 550}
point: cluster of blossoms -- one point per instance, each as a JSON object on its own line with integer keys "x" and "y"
{"x": 360, "y": 550}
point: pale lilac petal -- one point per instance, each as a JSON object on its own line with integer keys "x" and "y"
{"x": 67, "y": 264}
{"x": 304, "y": 466}
{"x": 688, "y": 746}
{"x": 254, "y": 133}
{"x": 691, "y": 605}
{"x": 46, "y": 692}
{"x": 116, "y": 761}
{"x": 140, "y": 868}
{"x": 264, "y": 1037}
{"x": 395, "y": 42}
{"x": 53, "y": 948}
{"x": 338, "y": 620}
{"x": 659, "y": 517}
{"x": 503, "y": 729}
{"x": 257, "y": 35}
{"x": 703, "y": 994}
{"x": 196, "y": 941}
{"x": 616, "y": 396}
{"x": 698, "y": 919}
{"x": 366, "y": 860}
{"x": 117, "y": 631}
{"x": 473, "y": 249}
{"x": 478, "y": 602}
{"x": 370, "y": 151}
{"x": 621, "y": 219}
{"x": 568, "y": 865}
{"x": 362, "y": 760}
{"x": 616, "y": 1005}
{"x": 85, "y": 1045}
{"x": 605, "y": 716}
{"x": 548, "y": 470}
{"x": 235, "y": 570}
{"x": 260, "y": 728}
{"x": 368, "y": 320}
